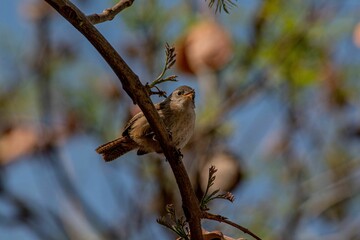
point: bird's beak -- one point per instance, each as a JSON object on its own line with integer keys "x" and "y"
{"x": 190, "y": 94}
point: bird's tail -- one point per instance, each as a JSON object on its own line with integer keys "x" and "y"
{"x": 116, "y": 148}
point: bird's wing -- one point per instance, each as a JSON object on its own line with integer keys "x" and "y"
{"x": 141, "y": 125}
{"x": 130, "y": 123}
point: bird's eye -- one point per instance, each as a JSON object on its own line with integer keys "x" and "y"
{"x": 180, "y": 93}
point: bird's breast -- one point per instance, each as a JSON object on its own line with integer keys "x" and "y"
{"x": 181, "y": 125}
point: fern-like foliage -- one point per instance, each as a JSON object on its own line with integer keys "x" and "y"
{"x": 170, "y": 61}
{"x": 177, "y": 225}
{"x": 208, "y": 197}
{"x": 220, "y": 5}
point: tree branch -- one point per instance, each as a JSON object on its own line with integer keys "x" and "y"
{"x": 133, "y": 87}
{"x": 109, "y": 13}
{"x": 219, "y": 218}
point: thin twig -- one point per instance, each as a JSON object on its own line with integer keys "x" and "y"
{"x": 170, "y": 61}
{"x": 171, "y": 78}
{"x": 219, "y": 218}
{"x": 109, "y": 13}
{"x": 159, "y": 92}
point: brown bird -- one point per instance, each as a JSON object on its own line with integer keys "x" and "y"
{"x": 177, "y": 112}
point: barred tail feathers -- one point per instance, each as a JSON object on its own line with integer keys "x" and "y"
{"x": 116, "y": 148}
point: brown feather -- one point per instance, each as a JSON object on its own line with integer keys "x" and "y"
{"x": 116, "y": 148}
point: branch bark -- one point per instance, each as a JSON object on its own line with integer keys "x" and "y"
{"x": 138, "y": 93}
{"x": 109, "y": 13}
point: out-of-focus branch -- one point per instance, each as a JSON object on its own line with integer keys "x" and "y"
{"x": 29, "y": 214}
{"x": 109, "y": 13}
{"x": 219, "y": 218}
{"x": 132, "y": 85}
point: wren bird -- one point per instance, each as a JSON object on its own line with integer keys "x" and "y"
{"x": 178, "y": 114}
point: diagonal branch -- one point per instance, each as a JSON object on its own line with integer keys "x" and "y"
{"x": 109, "y": 13}
{"x": 219, "y": 218}
{"x": 138, "y": 93}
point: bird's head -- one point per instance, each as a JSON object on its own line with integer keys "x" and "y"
{"x": 183, "y": 96}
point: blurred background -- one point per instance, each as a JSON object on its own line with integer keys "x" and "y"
{"x": 277, "y": 107}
